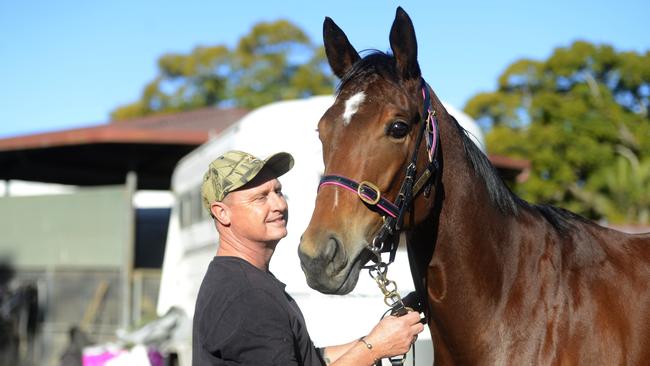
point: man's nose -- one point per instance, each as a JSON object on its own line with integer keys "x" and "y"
{"x": 279, "y": 202}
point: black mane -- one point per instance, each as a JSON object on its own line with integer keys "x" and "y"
{"x": 502, "y": 197}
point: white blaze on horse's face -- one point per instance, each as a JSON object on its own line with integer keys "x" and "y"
{"x": 336, "y": 199}
{"x": 352, "y": 106}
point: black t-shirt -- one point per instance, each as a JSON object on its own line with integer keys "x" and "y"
{"x": 243, "y": 316}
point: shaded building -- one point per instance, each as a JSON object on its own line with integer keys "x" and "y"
{"x": 91, "y": 250}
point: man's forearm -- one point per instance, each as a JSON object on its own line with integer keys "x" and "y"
{"x": 352, "y": 353}
{"x": 333, "y": 353}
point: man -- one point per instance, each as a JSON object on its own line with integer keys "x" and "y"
{"x": 243, "y": 316}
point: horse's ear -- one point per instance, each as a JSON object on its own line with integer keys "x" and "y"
{"x": 340, "y": 53}
{"x": 404, "y": 45}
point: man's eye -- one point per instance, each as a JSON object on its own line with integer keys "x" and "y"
{"x": 398, "y": 129}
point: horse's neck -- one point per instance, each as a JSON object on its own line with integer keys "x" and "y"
{"x": 472, "y": 239}
{"x": 471, "y": 236}
{"x": 468, "y": 221}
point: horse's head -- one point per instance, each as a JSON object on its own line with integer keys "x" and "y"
{"x": 368, "y": 135}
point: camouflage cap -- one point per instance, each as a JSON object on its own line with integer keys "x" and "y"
{"x": 234, "y": 169}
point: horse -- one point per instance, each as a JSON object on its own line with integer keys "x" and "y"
{"x": 506, "y": 282}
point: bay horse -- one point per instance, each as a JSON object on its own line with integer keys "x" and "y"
{"x": 507, "y": 282}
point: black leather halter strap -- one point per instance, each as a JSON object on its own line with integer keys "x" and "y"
{"x": 367, "y": 192}
{"x": 387, "y": 239}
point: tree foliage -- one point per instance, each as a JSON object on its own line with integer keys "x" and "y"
{"x": 274, "y": 61}
{"x": 582, "y": 118}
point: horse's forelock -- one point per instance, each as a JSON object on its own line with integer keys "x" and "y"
{"x": 366, "y": 69}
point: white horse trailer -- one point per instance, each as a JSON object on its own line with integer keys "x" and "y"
{"x": 192, "y": 239}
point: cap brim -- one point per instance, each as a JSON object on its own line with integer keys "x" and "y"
{"x": 279, "y": 163}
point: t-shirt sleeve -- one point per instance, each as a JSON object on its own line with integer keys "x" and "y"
{"x": 254, "y": 330}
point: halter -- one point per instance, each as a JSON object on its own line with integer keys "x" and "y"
{"x": 387, "y": 239}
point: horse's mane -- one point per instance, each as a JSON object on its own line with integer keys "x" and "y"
{"x": 502, "y": 197}
{"x": 376, "y": 63}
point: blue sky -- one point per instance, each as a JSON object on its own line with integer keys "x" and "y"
{"x": 67, "y": 64}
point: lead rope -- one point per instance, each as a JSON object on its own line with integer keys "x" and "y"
{"x": 392, "y": 299}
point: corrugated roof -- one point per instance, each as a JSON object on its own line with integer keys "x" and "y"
{"x": 185, "y": 128}
{"x": 104, "y": 154}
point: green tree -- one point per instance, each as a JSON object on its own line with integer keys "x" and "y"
{"x": 275, "y": 61}
{"x": 582, "y": 118}
{"x": 626, "y": 197}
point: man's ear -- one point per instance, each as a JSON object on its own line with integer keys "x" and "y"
{"x": 220, "y": 212}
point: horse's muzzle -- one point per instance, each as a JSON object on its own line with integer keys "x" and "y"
{"x": 327, "y": 269}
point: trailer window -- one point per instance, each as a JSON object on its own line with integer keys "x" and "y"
{"x": 185, "y": 209}
{"x": 197, "y": 206}
{"x": 191, "y": 210}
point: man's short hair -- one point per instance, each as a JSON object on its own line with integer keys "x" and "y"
{"x": 234, "y": 169}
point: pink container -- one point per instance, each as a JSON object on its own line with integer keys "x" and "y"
{"x": 99, "y": 356}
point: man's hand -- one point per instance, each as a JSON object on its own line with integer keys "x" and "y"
{"x": 393, "y": 336}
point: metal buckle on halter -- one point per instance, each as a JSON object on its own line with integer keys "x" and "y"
{"x": 365, "y": 199}
{"x": 430, "y": 114}
{"x": 431, "y": 117}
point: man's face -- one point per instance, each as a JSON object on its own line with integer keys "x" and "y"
{"x": 259, "y": 211}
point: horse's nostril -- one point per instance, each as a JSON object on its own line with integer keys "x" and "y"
{"x": 334, "y": 256}
{"x": 330, "y": 259}
{"x": 331, "y": 249}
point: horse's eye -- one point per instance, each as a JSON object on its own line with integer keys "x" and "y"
{"x": 398, "y": 129}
